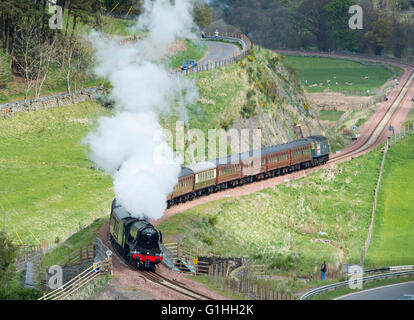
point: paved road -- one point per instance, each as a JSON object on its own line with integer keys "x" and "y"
{"x": 217, "y": 51}
{"x": 390, "y": 292}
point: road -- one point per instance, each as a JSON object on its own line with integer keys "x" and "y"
{"x": 217, "y": 51}
{"x": 390, "y": 292}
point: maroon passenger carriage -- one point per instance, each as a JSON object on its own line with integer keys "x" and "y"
{"x": 219, "y": 174}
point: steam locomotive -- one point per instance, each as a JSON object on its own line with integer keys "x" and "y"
{"x": 136, "y": 240}
{"x": 219, "y": 174}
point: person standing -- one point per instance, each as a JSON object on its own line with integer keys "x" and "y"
{"x": 216, "y": 34}
{"x": 323, "y": 271}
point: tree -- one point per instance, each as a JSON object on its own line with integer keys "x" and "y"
{"x": 336, "y": 13}
{"x": 399, "y": 39}
{"x": 381, "y": 30}
{"x": 203, "y": 15}
{"x": 310, "y": 15}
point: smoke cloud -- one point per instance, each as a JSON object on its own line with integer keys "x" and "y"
{"x": 128, "y": 145}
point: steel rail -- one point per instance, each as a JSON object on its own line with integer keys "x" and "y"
{"x": 174, "y": 285}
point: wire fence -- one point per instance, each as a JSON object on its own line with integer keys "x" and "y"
{"x": 247, "y": 287}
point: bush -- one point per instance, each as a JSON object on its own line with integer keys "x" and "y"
{"x": 225, "y": 124}
{"x": 284, "y": 263}
{"x": 208, "y": 241}
{"x": 212, "y": 220}
{"x": 19, "y": 293}
{"x": 248, "y": 110}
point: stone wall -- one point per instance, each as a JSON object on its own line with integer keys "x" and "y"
{"x": 57, "y": 100}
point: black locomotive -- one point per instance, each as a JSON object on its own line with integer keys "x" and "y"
{"x": 136, "y": 240}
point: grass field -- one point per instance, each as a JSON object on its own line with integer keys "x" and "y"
{"x": 393, "y": 236}
{"x": 285, "y": 227}
{"x": 344, "y": 76}
{"x": 330, "y": 115}
{"x": 48, "y": 185}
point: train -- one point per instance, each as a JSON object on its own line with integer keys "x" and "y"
{"x": 211, "y": 176}
{"x": 135, "y": 239}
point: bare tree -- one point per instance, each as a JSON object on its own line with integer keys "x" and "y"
{"x": 32, "y": 56}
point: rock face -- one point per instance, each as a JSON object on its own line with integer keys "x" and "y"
{"x": 275, "y": 102}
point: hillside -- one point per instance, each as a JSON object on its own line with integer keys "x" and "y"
{"x": 259, "y": 92}
{"x": 292, "y": 227}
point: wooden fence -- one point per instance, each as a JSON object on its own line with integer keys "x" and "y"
{"x": 257, "y": 269}
{"x": 80, "y": 280}
{"x": 181, "y": 251}
{"x": 83, "y": 254}
{"x": 219, "y": 274}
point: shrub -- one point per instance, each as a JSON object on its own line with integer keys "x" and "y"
{"x": 284, "y": 263}
{"x": 248, "y": 110}
{"x": 226, "y": 124}
{"x": 208, "y": 241}
{"x": 18, "y": 293}
{"x": 212, "y": 220}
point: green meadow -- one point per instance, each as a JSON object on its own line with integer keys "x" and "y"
{"x": 393, "y": 237}
{"x": 48, "y": 185}
{"x": 318, "y": 74}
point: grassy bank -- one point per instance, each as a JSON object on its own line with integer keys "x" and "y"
{"x": 318, "y": 74}
{"x": 292, "y": 227}
{"x": 393, "y": 236}
{"x": 330, "y": 115}
{"x": 82, "y": 238}
{"x": 48, "y": 185}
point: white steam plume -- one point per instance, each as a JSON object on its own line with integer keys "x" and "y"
{"x": 125, "y": 145}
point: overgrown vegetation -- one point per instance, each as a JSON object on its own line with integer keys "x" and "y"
{"x": 11, "y": 281}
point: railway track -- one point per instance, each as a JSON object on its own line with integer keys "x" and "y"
{"x": 374, "y": 134}
{"x": 173, "y": 285}
{"x": 163, "y": 281}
